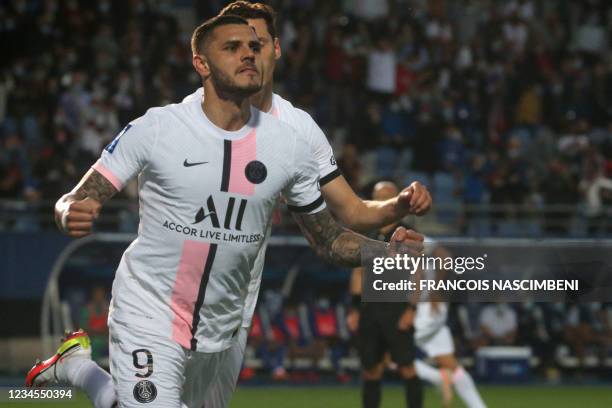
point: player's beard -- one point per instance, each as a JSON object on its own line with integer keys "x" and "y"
{"x": 226, "y": 87}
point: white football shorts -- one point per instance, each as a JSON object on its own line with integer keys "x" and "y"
{"x": 223, "y": 387}
{"x": 148, "y": 368}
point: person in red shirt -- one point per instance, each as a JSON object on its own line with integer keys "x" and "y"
{"x": 93, "y": 319}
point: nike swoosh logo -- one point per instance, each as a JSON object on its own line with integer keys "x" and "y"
{"x": 187, "y": 164}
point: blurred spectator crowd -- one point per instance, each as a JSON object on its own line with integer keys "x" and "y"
{"x": 305, "y": 338}
{"x": 298, "y": 341}
{"x": 501, "y": 104}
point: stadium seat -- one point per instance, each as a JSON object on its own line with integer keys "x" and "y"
{"x": 444, "y": 192}
{"x": 404, "y": 162}
{"x": 419, "y": 176}
{"x": 386, "y": 162}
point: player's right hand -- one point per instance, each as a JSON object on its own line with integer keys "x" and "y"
{"x": 78, "y": 217}
{"x": 352, "y": 321}
{"x": 415, "y": 199}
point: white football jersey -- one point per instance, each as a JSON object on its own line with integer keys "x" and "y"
{"x": 206, "y": 201}
{"x": 428, "y": 320}
{"x": 323, "y": 154}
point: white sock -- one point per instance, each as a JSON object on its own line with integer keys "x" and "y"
{"x": 465, "y": 387}
{"x": 428, "y": 373}
{"x": 87, "y": 375}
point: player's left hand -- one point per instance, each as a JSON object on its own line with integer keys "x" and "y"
{"x": 414, "y": 199}
{"x": 411, "y": 239}
{"x": 406, "y": 320}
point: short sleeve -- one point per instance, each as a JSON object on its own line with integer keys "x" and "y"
{"x": 128, "y": 154}
{"x": 303, "y": 193}
{"x": 323, "y": 153}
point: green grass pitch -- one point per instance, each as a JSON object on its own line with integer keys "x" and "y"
{"x": 348, "y": 397}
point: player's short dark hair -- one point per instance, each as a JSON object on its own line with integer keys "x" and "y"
{"x": 202, "y": 33}
{"x": 248, "y": 10}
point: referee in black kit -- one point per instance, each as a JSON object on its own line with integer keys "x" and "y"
{"x": 384, "y": 327}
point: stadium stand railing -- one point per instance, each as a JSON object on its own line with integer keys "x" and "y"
{"x": 474, "y": 220}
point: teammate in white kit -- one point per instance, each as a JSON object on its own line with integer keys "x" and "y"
{"x": 180, "y": 290}
{"x": 433, "y": 336}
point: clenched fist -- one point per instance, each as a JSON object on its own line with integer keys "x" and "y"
{"x": 411, "y": 239}
{"x": 415, "y": 199}
{"x": 76, "y": 218}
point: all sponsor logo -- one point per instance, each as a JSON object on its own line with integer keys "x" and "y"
{"x": 234, "y": 206}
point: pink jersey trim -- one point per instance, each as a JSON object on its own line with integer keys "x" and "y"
{"x": 185, "y": 290}
{"x": 243, "y": 152}
{"x": 99, "y": 167}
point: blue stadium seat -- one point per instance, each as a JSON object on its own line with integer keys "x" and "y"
{"x": 386, "y": 162}
{"x": 444, "y": 195}
{"x": 419, "y": 176}
{"x": 403, "y": 163}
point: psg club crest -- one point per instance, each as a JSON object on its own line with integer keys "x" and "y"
{"x": 145, "y": 391}
{"x": 255, "y": 172}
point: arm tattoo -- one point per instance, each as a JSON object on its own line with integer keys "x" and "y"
{"x": 332, "y": 242}
{"x": 95, "y": 186}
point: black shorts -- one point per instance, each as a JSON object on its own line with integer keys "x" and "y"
{"x": 378, "y": 334}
